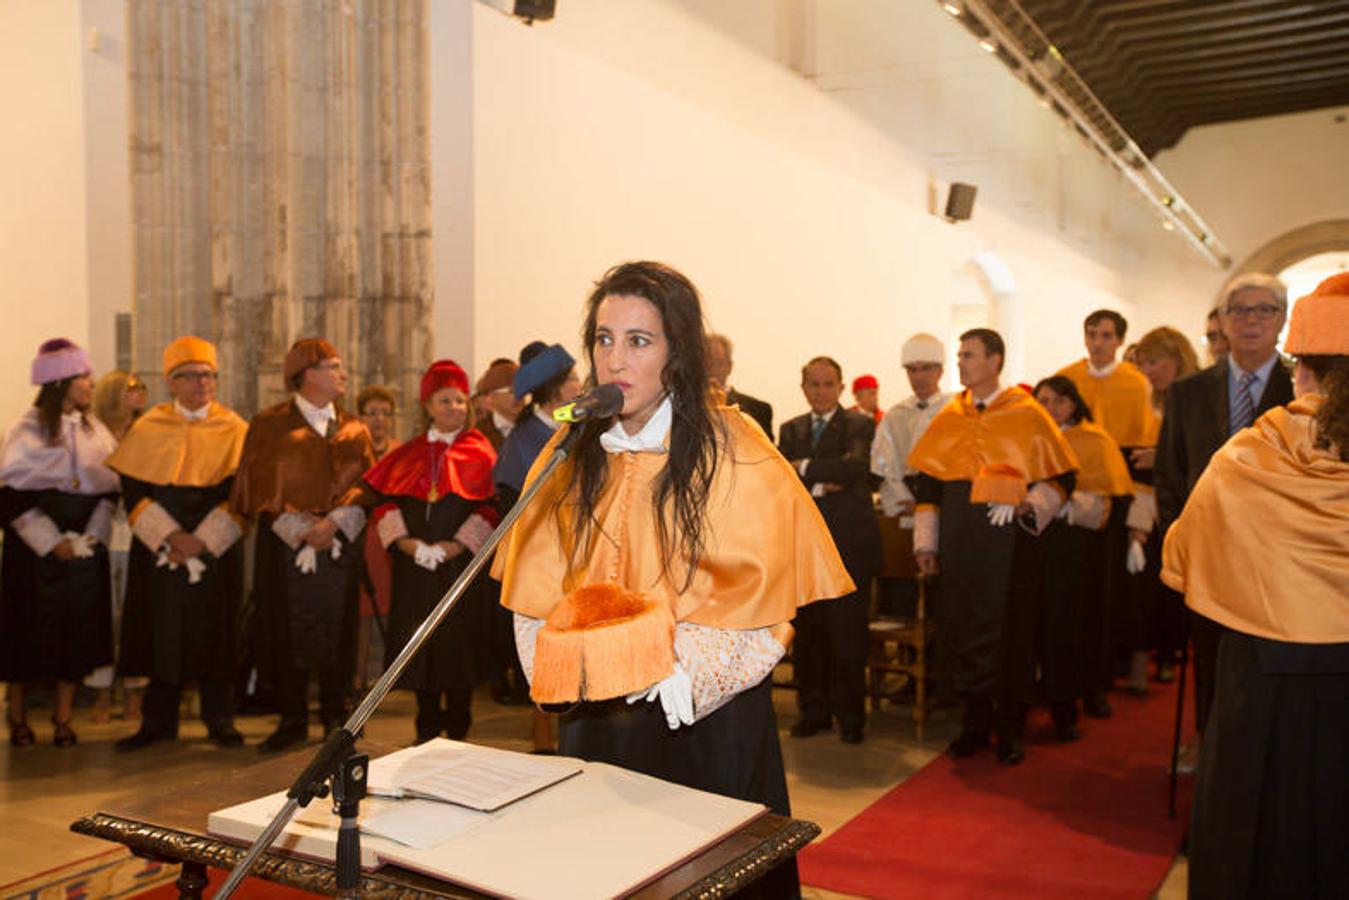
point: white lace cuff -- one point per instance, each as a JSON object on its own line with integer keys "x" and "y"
{"x": 925, "y": 529}
{"x": 390, "y": 527}
{"x": 218, "y": 531}
{"x": 152, "y": 525}
{"x": 722, "y": 663}
{"x": 350, "y": 519}
{"x": 1087, "y": 510}
{"x": 291, "y": 527}
{"x": 1045, "y": 499}
{"x": 38, "y": 531}
{"x": 474, "y": 533}
{"x": 99, "y": 526}
{"x": 1143, "y": 511}
{"x": 526, "y": 636}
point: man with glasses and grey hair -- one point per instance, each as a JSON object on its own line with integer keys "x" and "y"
{"x": 1204, "y": 409}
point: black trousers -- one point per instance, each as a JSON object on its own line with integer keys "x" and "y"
{"x": 443, "y": 712}
{"x": 163, "y": 698}
{"x": 1205, "y": 634}
{"x": 829, "y": 659}
{"x": 292, "y": 694}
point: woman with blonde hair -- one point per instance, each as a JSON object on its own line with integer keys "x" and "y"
{"x": 119, "y": 400}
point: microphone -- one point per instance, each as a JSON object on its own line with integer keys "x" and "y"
{"x": 600, "y": 403}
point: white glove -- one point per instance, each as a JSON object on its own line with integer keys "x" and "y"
{"x": 428, "y": 556}
{"x": 676, "y": 696}
{"x": 307, "y": 560}
{"x": 336, "y": 552}
{"x": 1000, "y": 514}
{"x": 1135, "y": 560}
{"x": 81, "y": 545}
{"x": 195, "y": 567}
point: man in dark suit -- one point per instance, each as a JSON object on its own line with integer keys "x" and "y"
{"x": 831, "y": 449}
{"x": 1204, "y": 409}
{"x": 719, "y": 364}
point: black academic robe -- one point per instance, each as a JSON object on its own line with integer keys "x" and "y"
{"x": 55, "y": 616}
{"x": 173, "y": 630}
{"x": 446, "y": 661}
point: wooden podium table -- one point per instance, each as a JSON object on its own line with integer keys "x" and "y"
{"x": 171, "y": 828}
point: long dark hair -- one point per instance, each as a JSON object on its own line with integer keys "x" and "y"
{"x": 51, "y": 397}
{"x": 681, "y": 494}
{"x": 1332, "y": 419}
{"x": 1064, "y": 387}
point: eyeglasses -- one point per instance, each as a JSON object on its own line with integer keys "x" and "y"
{"x": 194, "y": 376}
{"x": 1213, "y": 336}
{"x": 332, "y": 365}
{"x": 1262, "y": 312}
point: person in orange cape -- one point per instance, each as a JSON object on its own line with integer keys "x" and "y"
{"x": 1072, "y": 630}
{"x": 300, "y": 476}
{"x": 1262, "y": 548}
{"x": 993, "y": 471}
{"x": 186, "y": 572}
{"x": 440, "y": 483}
{"x": 655, "y": 574}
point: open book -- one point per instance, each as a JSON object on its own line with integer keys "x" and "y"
{"x": 602, "y": 833}
{"x": 480, "y": 778}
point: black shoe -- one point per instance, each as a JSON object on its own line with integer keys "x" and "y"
{"x": 225, "y": 736}
{"x": 289, "y": 733}
{"x": 852, "y": 735}
{"x": 807, "y": 728}
{"x": 1097, "y": 707}
{"x": 966, "y": 745}
{"x": 139, "y": 740}
{"x": 1011, "y": 753}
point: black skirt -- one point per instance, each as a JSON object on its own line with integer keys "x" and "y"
{"x": 1271, "y": 800}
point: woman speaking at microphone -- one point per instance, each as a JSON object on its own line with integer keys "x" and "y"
{"x": 654, "y": 576}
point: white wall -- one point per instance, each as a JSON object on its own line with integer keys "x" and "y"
{"x": 659, "y": 129}
{"x": 43, "y": 260}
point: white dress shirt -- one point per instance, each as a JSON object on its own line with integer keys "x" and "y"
{"x": 318, "y": 417}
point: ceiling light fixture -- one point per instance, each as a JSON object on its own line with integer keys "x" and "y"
{"x": 953, "y": 7}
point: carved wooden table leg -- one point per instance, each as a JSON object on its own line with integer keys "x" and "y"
{"x": 192, "y": 881}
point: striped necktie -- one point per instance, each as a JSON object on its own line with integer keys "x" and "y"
{"x": 1243, "y": 414}
{"x": 816, "y": 429}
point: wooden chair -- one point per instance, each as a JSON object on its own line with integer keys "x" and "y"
{"x": 898, "y": 647}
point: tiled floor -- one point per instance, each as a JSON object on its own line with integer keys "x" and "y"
{"x": 45, "y": 789}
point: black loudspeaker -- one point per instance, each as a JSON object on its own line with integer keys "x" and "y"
{"x": 960, "y": 201}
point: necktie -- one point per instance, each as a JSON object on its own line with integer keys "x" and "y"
{"x": 331, "y": 429}
{"x": 922, "y": 404}
{"x": 980, "y": 406}
{"x": 1243, "y": 414}
{"x": 816, "y": 429}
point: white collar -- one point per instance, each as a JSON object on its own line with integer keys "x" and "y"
{"x": 1102, "y": 372}
{"x": 444, "y": 437}
{"x": 545, "y": 418}
{"x": 318, "y": 417}
{"x": 503, "y": 424}
{"x": 987, "y": 401}
{"x": 827, "y": 416}
{"x": 931, "y": 401}
{"x": 192, "y": 415}
{"x": 74, "y": 417}
{"x": 650, "y": 439}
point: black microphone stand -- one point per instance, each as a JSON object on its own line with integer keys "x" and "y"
{"x": 336, "y": 760}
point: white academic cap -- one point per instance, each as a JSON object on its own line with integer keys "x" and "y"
{"x": 923, "y": 348}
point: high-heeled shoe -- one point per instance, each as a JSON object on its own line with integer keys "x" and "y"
{"x": 20, "y": 735}
{"x": 64, "y": 736}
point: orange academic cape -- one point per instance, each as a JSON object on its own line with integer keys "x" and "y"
{"x": 1119, "y": 402}
{"x": 288, "y": 467}
{"x": 768, "y": 550}
{"x": 1101, "y": 466}
{"x": 1262, "y": 545}
{"x": 165, "y": 448}
{"x": 1002, "y": 451}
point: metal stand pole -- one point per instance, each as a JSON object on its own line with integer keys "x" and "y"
{"x": 340, "y": 744}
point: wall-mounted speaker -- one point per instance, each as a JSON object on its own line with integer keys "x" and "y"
{"x": 960, "y": 201}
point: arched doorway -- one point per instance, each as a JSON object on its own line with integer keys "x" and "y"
{"x": 1289, "y": 249}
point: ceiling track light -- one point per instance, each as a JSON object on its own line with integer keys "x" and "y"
{"x": 1023, "y": 46}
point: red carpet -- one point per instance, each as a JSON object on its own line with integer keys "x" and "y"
{"x": 250, "y": 889}
{"x": 1086, "y": 819}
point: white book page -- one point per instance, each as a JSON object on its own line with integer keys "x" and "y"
{"x": 480, "y": 778}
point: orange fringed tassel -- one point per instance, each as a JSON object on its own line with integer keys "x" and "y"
{"x": 602, "y": 641}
